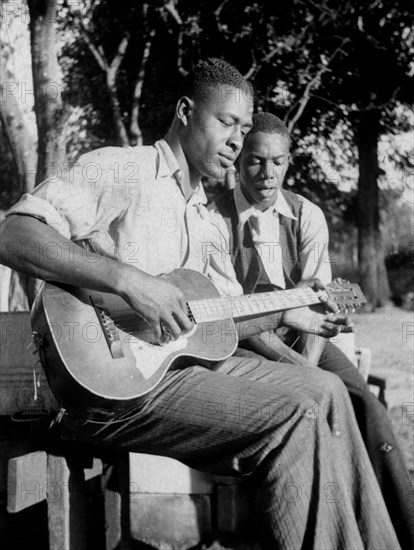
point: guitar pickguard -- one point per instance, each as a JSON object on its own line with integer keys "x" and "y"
{"x": 150, "y": 357}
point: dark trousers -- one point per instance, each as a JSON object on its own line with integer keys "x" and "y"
{"x": 383, "y": 449}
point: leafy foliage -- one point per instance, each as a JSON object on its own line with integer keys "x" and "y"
{"x": 317, "y": 65}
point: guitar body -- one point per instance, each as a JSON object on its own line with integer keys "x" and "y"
{"x": 99, "y": 355}
{"x": 96, "y": 351}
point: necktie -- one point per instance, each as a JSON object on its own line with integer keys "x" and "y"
{"x": 264, "y": 227}
{"x": 261, "y": 226}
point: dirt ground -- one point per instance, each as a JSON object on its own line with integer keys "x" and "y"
{"x": 389, "y": 334}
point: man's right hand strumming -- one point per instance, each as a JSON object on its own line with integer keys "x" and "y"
{"x": 160, "y": 303}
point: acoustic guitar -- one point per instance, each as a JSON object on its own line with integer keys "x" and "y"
{"x": 99, "y": 356}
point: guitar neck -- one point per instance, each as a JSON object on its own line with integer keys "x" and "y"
{"x": 251, "y": 305}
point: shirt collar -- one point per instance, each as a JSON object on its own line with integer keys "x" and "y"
{"x": 245, "y": 209}
{"x": 168, "y": 166}
{"x": 167, "y": 163}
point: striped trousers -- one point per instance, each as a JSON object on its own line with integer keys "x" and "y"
{"x": 382, "y": 446}
{"x": 291, "y": 430}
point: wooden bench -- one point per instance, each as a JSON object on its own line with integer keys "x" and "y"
{"x": 37, "y": 466}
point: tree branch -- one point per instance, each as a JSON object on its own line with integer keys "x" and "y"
{"x": 110, "y": 70}
{"x": 170, "y": 7}
{"x": 254, "y": 69}
{"x": 135, "y": 130}
{"x": 99, "y": 54}
{"x": 337, "y": 105}
{"x": 181, "y": 70}
{"x": 313, "y": 83}
{"x": 217, "y": 13}
{"x": 218, "y": 10}
{"x": 305, "y": 98}
{"x": 117, "y": 60}
{"x": 370, "y": 107}
{"x": 172, "y": 10}
{"x": 96, "y": 51}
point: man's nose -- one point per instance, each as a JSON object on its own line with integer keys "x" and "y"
{"x": 268, "y": 171}
{"x": 236, "y": 140}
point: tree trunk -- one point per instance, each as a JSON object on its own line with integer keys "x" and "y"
{"x": 22, "y": 144}
{"x": 49, "y": 119}
{"x": 47, "y": 89}
{"x": 373, "y": 274}
{"x": 16, "y": 286}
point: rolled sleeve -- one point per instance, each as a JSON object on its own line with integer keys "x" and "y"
{"x": 81, "y": 202}
{"x": 41, "y": 209}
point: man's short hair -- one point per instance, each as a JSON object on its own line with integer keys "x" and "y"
{"x": 269, "y": 124}
{"x": 211, "y": 73}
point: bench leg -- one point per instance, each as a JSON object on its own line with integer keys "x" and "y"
{"x": 76, "y": 496}
{"x": 115, "y": 481}
{"x": 66, "y": 503}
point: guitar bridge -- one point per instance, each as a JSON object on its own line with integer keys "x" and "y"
{"x": 109, "y": 329}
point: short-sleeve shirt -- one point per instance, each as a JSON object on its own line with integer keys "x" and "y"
{"x": 128, "y": 204}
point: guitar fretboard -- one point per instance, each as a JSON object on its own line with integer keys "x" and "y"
{"x": 217, "y": 309}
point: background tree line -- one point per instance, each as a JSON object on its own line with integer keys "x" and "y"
{"x": 339, "y": 73}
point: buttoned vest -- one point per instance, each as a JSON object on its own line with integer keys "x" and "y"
{"x": 248, "y": 266}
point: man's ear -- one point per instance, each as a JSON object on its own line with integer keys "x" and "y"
{"x": 185, "y": 108}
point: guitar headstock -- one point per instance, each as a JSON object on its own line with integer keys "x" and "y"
{"x": 347, "y": 296}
